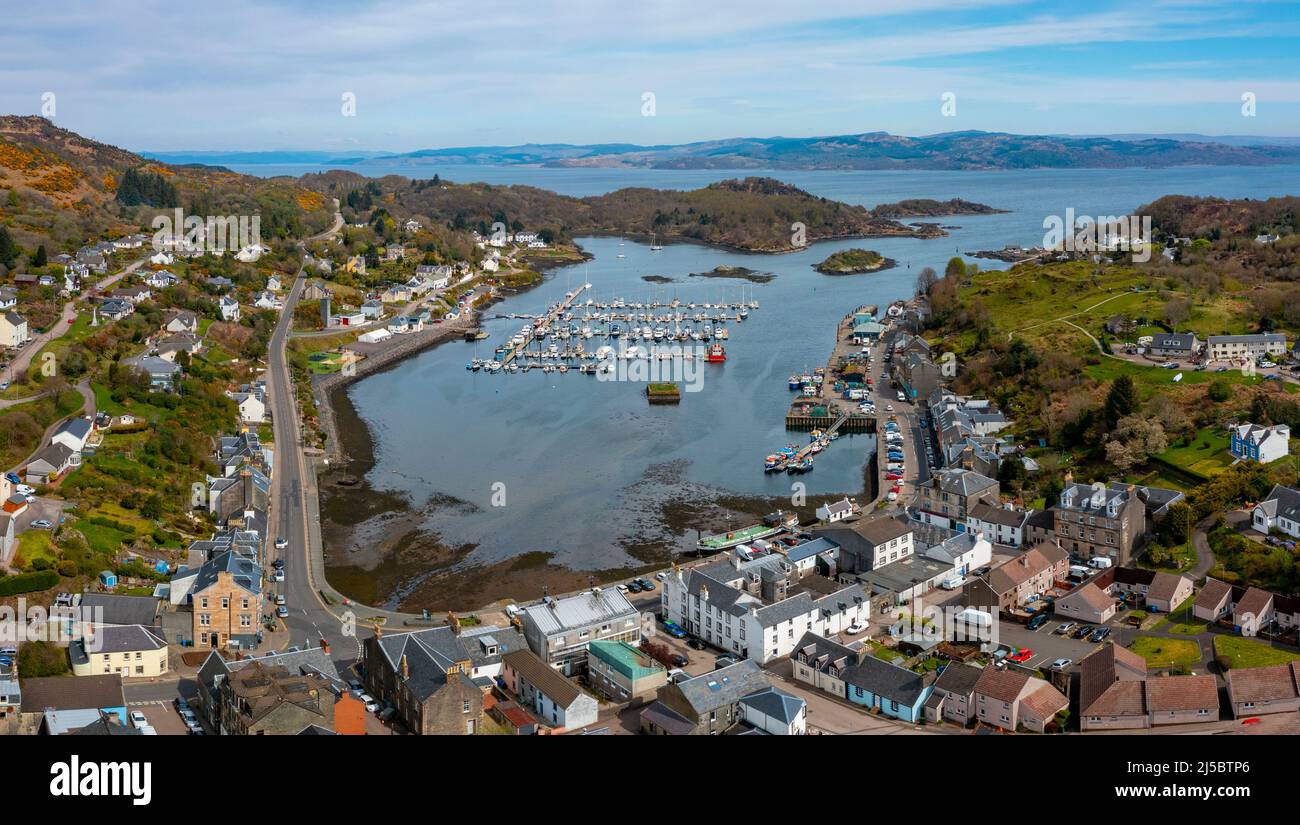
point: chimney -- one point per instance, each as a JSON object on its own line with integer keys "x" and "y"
{"x": 1024, "y": 560}
{"x": 324, "y": 645}
{"x": 1069, "y": 477}
{"x": 406, "y": 669}
{"x": 704, "y": 592}
{"x": 454, "y": 622}
{"x": 379, "y": 631}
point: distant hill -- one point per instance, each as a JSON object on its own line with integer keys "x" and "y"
{"x": 878, "y": 150}
{"x": 61, "y": 189}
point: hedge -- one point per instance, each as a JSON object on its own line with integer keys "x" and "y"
{"x": 28, "y": 582}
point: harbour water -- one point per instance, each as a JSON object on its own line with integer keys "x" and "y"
{"x": 579, "y": 467}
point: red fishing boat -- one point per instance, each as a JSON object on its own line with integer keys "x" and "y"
{"x": 717, "y": 354}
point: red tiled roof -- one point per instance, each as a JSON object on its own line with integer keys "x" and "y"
{"x": 1212, "y": 594}
{"x": 1003, "y": 685}
{"x": 1264, "y": 684}
{"x": 1171, "y": 693}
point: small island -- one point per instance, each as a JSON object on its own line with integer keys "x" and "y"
{"x": 854, "y": 262}
{"x": 658, "y": 279}
{"x": 744, "y": 273}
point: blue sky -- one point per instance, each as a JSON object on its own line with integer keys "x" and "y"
{"x": 245, "y": 75}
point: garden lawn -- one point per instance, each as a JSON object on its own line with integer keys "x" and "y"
{"x": 1178, "y": 654}
{"x": 1239, "y": 651}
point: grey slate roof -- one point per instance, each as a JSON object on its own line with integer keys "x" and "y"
{"x": 116, "y": 639}
{"x": 110, "y": 608}
{"x": 958, "y": 678}
{"x": 886, "y": 680}
{"x": 429, "y": 653}
{"x": 774, "y": 703}
{"x": 722, "y": 687}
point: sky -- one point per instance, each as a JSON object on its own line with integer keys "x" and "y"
{"x": 247, "y": 76}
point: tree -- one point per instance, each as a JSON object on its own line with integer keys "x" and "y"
{"x": 42, "y": 258}
{"x": 152, "y": 507}
{"x": 1136, "y": 439}
{"x": 42, "y": 659}
{"x": 1219, "y": 390}
{"x": 956, "y": 268}
{"x": 925, "y": 281}
{"x": 1177, "y": 311}
{"x": 1121, "y": 400}
{"x": 1011, "y": 473}
{"x": 1177, "y": 524}
{"x": 8, "y": 251}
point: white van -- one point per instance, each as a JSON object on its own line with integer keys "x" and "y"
{"x": 953, "y": 582}
{"x": 1100, "y": 562}
{"x": 901, "y": 397}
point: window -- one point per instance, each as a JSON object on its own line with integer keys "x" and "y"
{"x": 465, "y": 706}
{"x": 225, "y": 602}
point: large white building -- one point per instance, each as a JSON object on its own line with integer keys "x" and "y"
{"x": 759, "y": 607}
{"x": 1242, "y": 347}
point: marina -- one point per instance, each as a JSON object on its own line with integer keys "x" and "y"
{"x": 589, "y": 336}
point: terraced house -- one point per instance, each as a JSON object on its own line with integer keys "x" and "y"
{"x": 1115, "y": 693}
{"x": 947, "y": 497}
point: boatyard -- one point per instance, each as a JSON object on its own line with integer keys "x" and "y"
{"x": 590, "y": 336}
{"x": 835, "y": 399}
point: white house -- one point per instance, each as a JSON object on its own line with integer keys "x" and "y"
{"x": 834, "y": 511}
{"x": 229, "y": 308}
{"x": 252, "y": 252}
{"x": 162, "y": 258}
{"x": 775, "y": 712}
{"x": 1279, "y": 511}
{"x": 252, "y": 409}
{"x": 1251, "y": 442}
{"x": 1002, "y": 525}
{"x": 1241, "y": 347}
{"x": 964, "y": 551}
{"x": 73, "y": 434}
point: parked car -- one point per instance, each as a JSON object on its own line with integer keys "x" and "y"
{"x": 635, "y": 587}
{"x": 677, "y": 675}
{"x": 695, "y": 644}
{"x": 277, "y": 576}
{"x": 1082, "y": 632}
{"x": 42, "y": 524}
{"x": 369, "y": 702}
{"x": 138, "y": 719}
{"x": 281, "y": 543}
{"x": 24, "y": 489}
{"x": 855, "y": 628}
{"x": 1065, "y": 628}
{"x": 622, "y": 588}
{"x": 1061, "y": 664}
{"x": 646, "y": 584}
{"x": 1021, "y": 656}
{"x": 278, "y": 564}
{"x": 678, "y": 660}
{"x": 280, "y": 599}
{"x": 1037, "y": 622}
{"x": 13, "y": 478}
{"x": 1099, "y": 634}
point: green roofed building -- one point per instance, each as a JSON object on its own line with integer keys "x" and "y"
{"x": 621, "y": 672}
